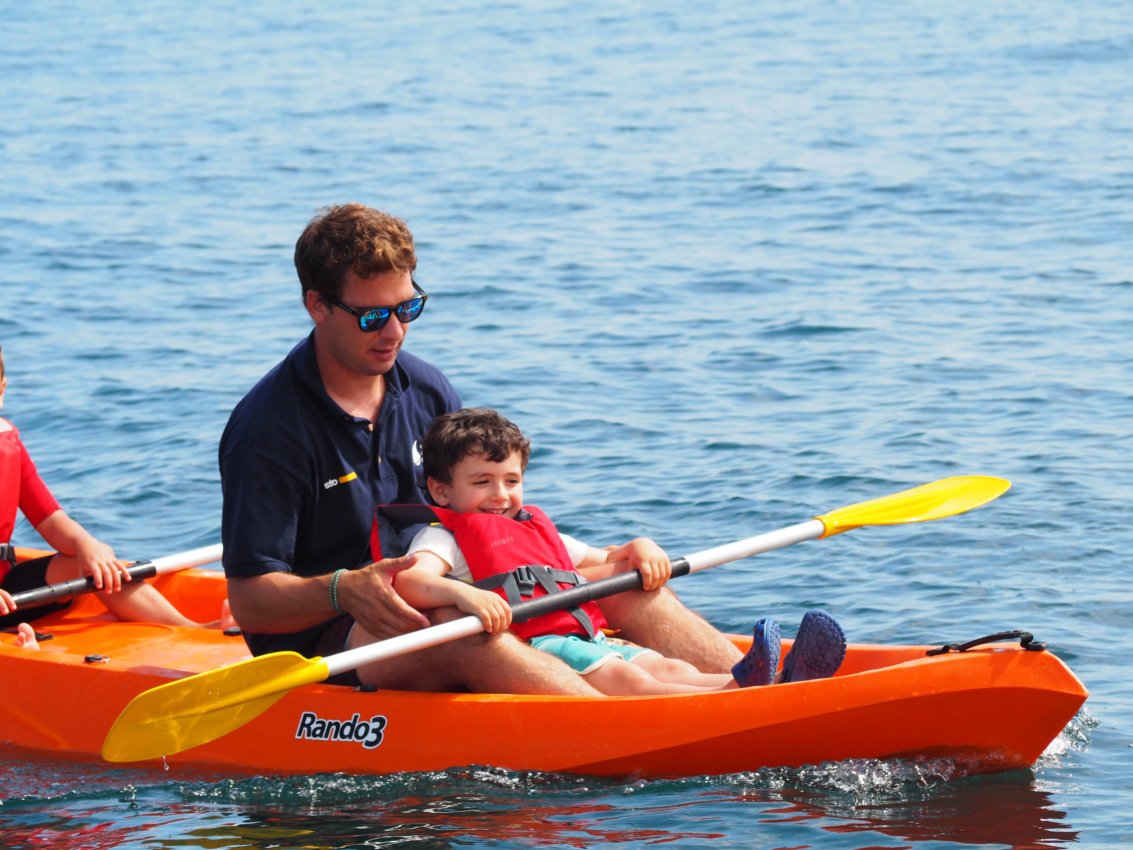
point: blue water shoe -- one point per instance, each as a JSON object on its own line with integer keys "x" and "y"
{"x": 818, "y": 650}
{"x": 760, "y": 664}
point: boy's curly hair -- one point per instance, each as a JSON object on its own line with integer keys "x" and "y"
{"x": 471, "y": 431}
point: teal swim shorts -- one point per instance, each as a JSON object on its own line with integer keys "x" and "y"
{"x": 585, "y": 655}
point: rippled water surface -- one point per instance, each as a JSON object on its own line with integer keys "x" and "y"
{"x": 730, "y": 265}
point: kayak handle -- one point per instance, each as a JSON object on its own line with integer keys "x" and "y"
{"x": 1026, "y": 641}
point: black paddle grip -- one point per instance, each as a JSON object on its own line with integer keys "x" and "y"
{"x": 75, "y": 587}
{"x": 575, "y": 596}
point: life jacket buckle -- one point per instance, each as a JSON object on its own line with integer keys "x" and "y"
{"x": 520, "y": 583}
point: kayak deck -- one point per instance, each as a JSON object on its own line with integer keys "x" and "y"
{"x": 992, "y": 708}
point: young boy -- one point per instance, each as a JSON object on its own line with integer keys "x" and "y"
{"x": 473, "y": 463}
{"x": 78, "y": 553}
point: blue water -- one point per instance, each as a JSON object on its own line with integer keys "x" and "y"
{"x": 730, "y": 265}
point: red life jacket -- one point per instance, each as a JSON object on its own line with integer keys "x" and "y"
{"x": 519, "y": 559}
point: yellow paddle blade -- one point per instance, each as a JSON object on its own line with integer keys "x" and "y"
{"x": 193, "y": 711}
{"x": 946, "y": 497}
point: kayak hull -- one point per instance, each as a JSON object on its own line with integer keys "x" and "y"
{"x": 992, "y": 708}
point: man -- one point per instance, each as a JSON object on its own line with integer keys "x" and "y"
{"x": 327, "y": 436}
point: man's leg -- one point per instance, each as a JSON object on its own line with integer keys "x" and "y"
{"x": 500, "y": 664}
{"x": 660, "y": 621}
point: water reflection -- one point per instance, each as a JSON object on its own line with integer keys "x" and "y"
{"x": 792, "y": 808}
{"x": 452, "y": 808}
{"x": 435, "y": 822}
{"x": 1004, "y": 810}
{"x": 844, "y": 805}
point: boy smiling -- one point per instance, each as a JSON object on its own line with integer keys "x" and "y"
{"x": 474, "y": 462}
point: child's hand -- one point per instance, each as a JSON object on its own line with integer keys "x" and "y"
{"x": 491, "y": 608}
{"x": 98, "y": 561}
{"x": 649, "y": 559}
{"x": 7, "y": 604}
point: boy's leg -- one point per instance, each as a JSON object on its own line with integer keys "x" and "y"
{"x": 29, "y": 575}
{"x": 660, "y": 621}
{"x": 500, "y": 664}
{"x": 681, "y": 672}
{"x": 618, "y": 677}
{"x": 135, "y": 602}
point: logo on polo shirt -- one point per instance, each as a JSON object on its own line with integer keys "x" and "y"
{"x": 342, "y": 479}
{"x": 417, "y": 459}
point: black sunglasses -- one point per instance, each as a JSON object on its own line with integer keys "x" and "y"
{"x": 372, "y": 319}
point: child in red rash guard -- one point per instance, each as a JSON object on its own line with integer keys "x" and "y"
{"x": 78, "y": 552}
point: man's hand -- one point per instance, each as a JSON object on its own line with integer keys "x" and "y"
{"x": 368, "y": 595}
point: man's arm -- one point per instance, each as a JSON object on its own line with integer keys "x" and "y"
{"x": 279, "y": 603}
{"x": 282, "y": 603}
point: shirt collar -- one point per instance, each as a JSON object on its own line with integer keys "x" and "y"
{"x": 307, "y": 371}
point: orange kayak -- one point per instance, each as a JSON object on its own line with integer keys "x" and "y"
{"x": 991, "y": 708}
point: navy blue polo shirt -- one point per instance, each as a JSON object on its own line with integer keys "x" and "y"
{"x": 302, "y": 478}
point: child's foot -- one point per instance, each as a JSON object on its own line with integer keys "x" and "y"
{"x": 762, "y": 660}
{"x": 25, "y": 637}
{"x": 818, "y": 649}
{"x": 228, "y": 623}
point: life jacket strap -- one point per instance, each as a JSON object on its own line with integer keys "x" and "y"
{"x": 8, "y": 553}
{"x": 520, "y": 584}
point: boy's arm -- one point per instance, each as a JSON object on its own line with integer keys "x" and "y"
{"x": 640, "y": 554}
{"x": 424, "y": 586}
{"x": 95, "y": 558}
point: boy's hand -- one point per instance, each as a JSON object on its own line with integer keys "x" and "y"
{"x": 491, "y": 608}
{"x": 7, "y": 604}
{"x": 97, "y": 560}
{"x": 649, "y": 559}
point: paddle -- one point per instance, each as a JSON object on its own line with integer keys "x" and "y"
{"x": 138, "y": 571}
{"x": 192, "y": 711}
